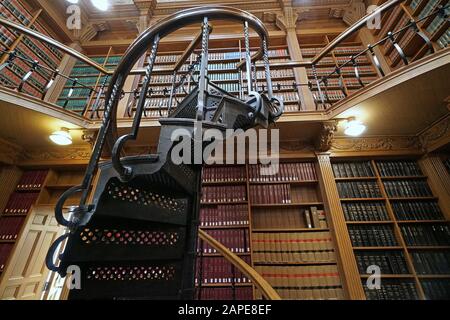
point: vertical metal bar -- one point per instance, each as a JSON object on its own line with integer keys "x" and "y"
{"x": 319, "y": 90}
{"x": 241, "y": 78}
{"x": 267, "y": 69}
{"x": 375, "y": 59}
{"x": 398, "y": 48}
{"x": 50, "y": 83}
{"x": 248, "y": 59}
{"x": 69, "y": 94}
{"x": 98, "y": 98}
{"x": 172, "y": 91}
{"x": 203, "y": 71}
{"x": 357, "y": 75}
{"x": 27, "y": 76}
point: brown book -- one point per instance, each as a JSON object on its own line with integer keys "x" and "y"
{"x": 322, "y": 219}
{"x": 315, "y": 217}
{"x": 308, "y": 219}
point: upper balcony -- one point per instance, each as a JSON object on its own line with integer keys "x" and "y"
{"x": 394, "y": 79}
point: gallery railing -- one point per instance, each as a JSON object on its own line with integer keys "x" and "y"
{"x": 320, "y": 83}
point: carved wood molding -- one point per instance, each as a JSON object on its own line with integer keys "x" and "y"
{"x": 374, "y": 144}
{"x": 9, "y": 152}
{"x": 435, "y": 136}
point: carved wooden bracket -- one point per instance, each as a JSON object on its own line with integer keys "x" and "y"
{"x": 325, "y": 138}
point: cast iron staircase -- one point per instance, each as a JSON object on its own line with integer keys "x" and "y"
{"x": 137, "y": 237}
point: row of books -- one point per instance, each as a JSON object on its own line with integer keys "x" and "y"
{"x": 32, "y": 179}
{"x": 79, "y": 92}
{"x": 389, "y": 262}
{"x": 5, "y": 251}
{"x": 407, "y": 188}
{"x": 237, "y": 293}
{"x": 438, "y": 22}
{"x": 236, "y": 240}
{"x": 285, "y": 218}
{"x": 282, "y": 193}
{"x": 303, "y": 282}
{"x": 299, "y": 171}
{"x": 431, "y": 262}
{"x": 436, "y": 289}
{"x": 10, "y": 227}
{"x": 20, "y": 202}
{"x": 352, "y": 169}
{"x": 218, "y": 194}
{"x": 273, "y": 194}
{"x": 229, "y": 215}
{"x": 372, "y": 236}
{"x": 289, "y": 97}
{"x": 444, "y": 40}
{"x": 325, "y": 71}
{"x": 215, "y": 270}
{"x": 341, "y": 50}
{"x": 359, "y": 60}
{"x": 224, "y": 174}
{"x": 292, "y": 247}
{"x": 426, "y": 235}
{"x": 398, "y": 168}
{"x": 392, "y": 289}
{"x": 332, "y": 95}
{"x": 365, "y": 211}
{"x": 220, "y": 56}
{"x": 417, "y": 210}
{"x": 358, "y": 189}
{"x": 276, "y": 73}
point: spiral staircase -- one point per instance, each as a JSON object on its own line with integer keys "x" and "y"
{"x": 137, "y": 238}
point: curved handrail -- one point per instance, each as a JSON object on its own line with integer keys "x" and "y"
{"x": 251, "y": 273}
{"x": 68, "y": 50}
{"x": 352, "y": 29}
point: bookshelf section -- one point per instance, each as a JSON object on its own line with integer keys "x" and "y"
{"x": 224, "y": 215}
{"x": 19, "y": 11}
{"x": 16, "y": 210}
{"x": 292, "y": 247}
{"x": 328, "y": 64}
{"x": 435, "y": 27}
{"x": 394, "y": 222}
{"x": 222, "y": 71}
{"x": 76, "y": 95}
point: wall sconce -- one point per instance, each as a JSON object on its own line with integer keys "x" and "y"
{"x": 61, "y": 137}
{"x": 352, "y": 127}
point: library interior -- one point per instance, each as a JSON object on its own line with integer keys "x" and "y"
{"x": 349, "y": 99}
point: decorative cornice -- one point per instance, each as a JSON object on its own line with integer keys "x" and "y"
{"x": 356, "y": 11}
{"x": 436, "y": 135}
{"x": 9, "y": 152}
{"x": 57, "y": 154}
{"x": 295, "y": 145}
{"x": 375, "y": 144}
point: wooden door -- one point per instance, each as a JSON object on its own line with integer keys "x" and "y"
{"x": 25, "y": 275}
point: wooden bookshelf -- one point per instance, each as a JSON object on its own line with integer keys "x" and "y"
{"x": 394, "y": 179}
{"x": 275, "y": 222}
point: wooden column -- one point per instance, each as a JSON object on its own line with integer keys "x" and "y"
{"x": 347, "y": 261}
{"x": 288, "y": 23}
{"x": 439, "y": 180}
{"x": 65, "y": 68}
